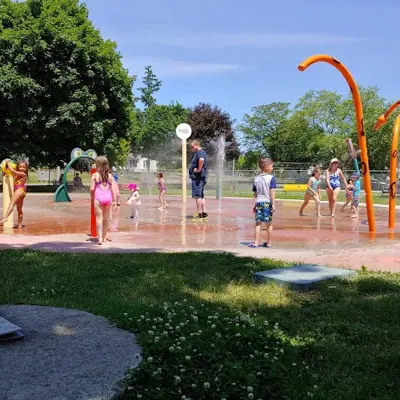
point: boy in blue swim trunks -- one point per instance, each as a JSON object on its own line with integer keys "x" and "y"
{"x": 264, "y": 200}
{"x": 356, "y": 194}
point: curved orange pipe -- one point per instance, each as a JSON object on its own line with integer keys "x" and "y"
{"x": 382, "y": 120}
{"x": 360, "y": 126}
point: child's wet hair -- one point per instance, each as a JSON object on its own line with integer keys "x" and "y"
{"x": 351, "y": 180}
{"x": 264, "y": 162}
{"x": 316, "y": 171}
{"x": 160, "y": 174}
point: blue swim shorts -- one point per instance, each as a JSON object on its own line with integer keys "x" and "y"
{"x": 263, "y": 212}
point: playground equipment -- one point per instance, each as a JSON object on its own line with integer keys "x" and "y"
{"x": 353, "y": 154}
{"x": 8, "y": 191}
{"x": 183, "y": 131}
{"x": 93, "y": 230}
{"x": 360, "y": 126}
{"x": 61, "y": 194}
{"x": 382, "y": 120}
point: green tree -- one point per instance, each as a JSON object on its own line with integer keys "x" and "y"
{"x": 151, "y": 85}
{"x": 262, "y": 124}
{"x": 156, "y": 138}
{"x": 249, "y": 160}
{"x": 208, "y": 123}
{"x": 61, "y": 84}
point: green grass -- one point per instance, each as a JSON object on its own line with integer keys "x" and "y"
{"x": 340, "y": 341}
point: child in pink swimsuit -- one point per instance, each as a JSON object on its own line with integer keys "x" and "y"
{"x": 102, "y": 191}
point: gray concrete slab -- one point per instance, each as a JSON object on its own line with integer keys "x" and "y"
{"x": 301, "y": 277}
{"x": 65, "y": 355}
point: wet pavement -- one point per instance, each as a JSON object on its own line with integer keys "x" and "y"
{"x": 339, "y": 242}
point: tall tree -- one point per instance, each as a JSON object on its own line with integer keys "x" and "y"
{"x": 151, "y": 85}
{"x": 262, "y": 124}
{"x": 61, "y": 84}
{"x": 156, "y": 138}
{"x": 208, "y": 123}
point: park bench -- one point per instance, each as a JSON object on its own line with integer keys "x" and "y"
{"x": 295, "y": 187}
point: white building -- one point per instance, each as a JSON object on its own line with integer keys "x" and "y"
{"x": 137, "y": 163}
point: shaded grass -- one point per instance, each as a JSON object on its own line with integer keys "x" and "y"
{"x": 346, "y": 331}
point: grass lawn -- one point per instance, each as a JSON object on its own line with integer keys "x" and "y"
{"x": 209, "y": 333}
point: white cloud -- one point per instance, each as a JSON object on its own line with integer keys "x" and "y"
{"x": 167, "y": 67}
{"x": 250, "y": 39}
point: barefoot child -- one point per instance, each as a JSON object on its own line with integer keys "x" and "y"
{"x": 313, "y": 191}
{"x": 356, "y": 195}
{"x": 102, "y": 190}
{"x": 333, "y": 177}
{"x": 264, "y": 200}
{"x": 349, "y": 194}
{"x": 134, "y": 201}
{"x": 20, "y": 176}
{"x": 161, "y": 190}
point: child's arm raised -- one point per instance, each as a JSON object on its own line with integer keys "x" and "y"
{"x": 15, "y": 172}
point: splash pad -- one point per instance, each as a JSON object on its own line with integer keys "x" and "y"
{"x": 339, "y": 242}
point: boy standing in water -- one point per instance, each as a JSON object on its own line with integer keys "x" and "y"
{"x": 264, "y": 200}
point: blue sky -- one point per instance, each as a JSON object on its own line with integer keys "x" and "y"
{"x": 238, "y": 54}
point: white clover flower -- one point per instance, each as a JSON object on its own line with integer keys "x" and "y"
{"x": 172, "y": 348}
{"x": 251, "y": 356}
{"x": 182, "y": 370}
{"x": 156, "y": 339}
{"x": 213, "y": 326}
{"x": 282, "y": 351}
{"x": 183, "y": 397}
{"x": 150, "y": 332}
{"x": 216, "y": 379}
{"x": 139, "y": 396}
{"x": 147, "y": 319}
{"x": 259, "y": 373}
{"x": 250, "y": 396}
{"x": 125, "y": 314}
{"x": 294, "y": 364}
{"x": 200, "y": 331}
{"x": 185, "y": 300}
{"x": 212, "y": 345}
{"x": 150, "y": 359}
{"x": 237, "y": 324}
{"x": 177, "y": 378}
{"x": 154, "y": 327}
{"x": 142, "y": 317}
{"x": 275, "y": 358}
{"x": 155, "y": 373}
{"x": 130, "y": 387}
{"x": 206, "y": 385}
{"x": 194, "y": 350}
{"x": 165, "y": 333}
{"x": 238, "y": 334}
{"x": 138, "y": 321}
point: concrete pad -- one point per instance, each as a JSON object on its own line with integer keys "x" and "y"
{"x": 301, "y": 277}
{"x": 66, "y": 354}
{"x": 9, "y": 331}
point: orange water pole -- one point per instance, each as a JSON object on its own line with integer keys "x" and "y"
{"x": 382, "y": 120}
{"x": 93, "y": 230}
{"x": 360, "y": 126}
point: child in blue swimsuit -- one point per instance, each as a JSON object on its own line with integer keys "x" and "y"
{"x": 333, "y": 176}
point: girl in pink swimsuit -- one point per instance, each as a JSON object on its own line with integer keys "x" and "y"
{"x": 20, "y": 176}
{"x": 102, "y": 191}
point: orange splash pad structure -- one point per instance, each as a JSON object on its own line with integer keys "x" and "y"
{"x": 340, "y": 242}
